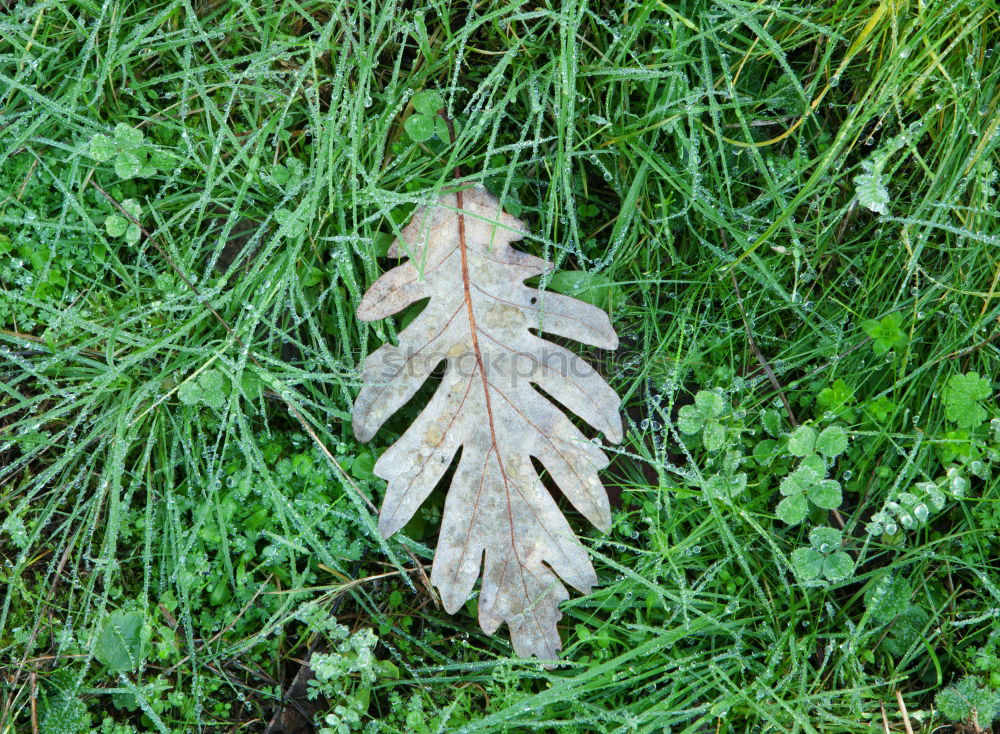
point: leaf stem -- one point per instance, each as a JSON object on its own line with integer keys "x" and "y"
{"x": 467, "y": 286}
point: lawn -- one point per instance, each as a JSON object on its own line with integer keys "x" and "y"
{"x": 789, "y": 214}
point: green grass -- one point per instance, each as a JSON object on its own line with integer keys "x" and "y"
{"x": 737, "y": 183}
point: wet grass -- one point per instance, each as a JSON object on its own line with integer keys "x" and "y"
{"x": 792, "y": 207}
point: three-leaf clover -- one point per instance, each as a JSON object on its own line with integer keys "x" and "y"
{"x": 724, "y": 487}
{"x": 886, "y": 333}
{"x": 292, "y": 224}
{"x": 210, "y": 388}
{"x": 808, "y": 483}
{"x": 118, "y": 226}
{"x": 961, "y": 398}
{"x": 836, "y": 399}
{"x": 425, "y": 122}
{"x": 831, "y": 442}
{"x": 287, "y": 174}
{"x": 880, "y": 408}
{"x": 127, "y": 148}
{"x": 703, "y": 416}
{"x": 824, "y": 558}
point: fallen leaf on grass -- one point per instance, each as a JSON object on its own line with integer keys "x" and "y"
{"x": 499, "y": 519}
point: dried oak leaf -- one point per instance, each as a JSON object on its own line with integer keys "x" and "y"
{"x": 498, "y": 515}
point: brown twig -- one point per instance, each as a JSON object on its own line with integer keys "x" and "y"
{"x": 885, "y": 719}
{"x": 839, "y": 234}
{"x": 349, "y": 583}
{"x": 903, "y": 712}
{"x": 34, "y": 704}
{"x": 979, "y": 345}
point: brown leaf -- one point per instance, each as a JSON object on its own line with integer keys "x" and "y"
{"x": 498, "y": 519}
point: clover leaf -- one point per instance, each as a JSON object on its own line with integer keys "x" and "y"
{"x": 885, "y": 333}
{"x": 128, "y": 137}
{"x": 804, "y": 485}
{"x": 428, "y": 102}
{"x": 825, "y": 494}
{"x": 128, "y": 149}
{"x": 722, "y": 487}
{"x": 118, "y": 226}
{"x": 880, "y": 408}
{"x": 102, "y": 148}
{"x": 823, "y": 559}
{"x": 419, "y": 127}
{"x": 210, "y": 388}
{"x": 703, "y": 417}
{"x": 837, "y": 399}
{"x": 808, "y": 482}
{"x": 425, "y": 122}
{"x": 792, "y": 510}
{"x": 832, "y": 442}
{"x": 292, "y": 224}
{"x": 288, "y": 174}
{"x": 802, "y": 441}
{"x": 961, "y": 398}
